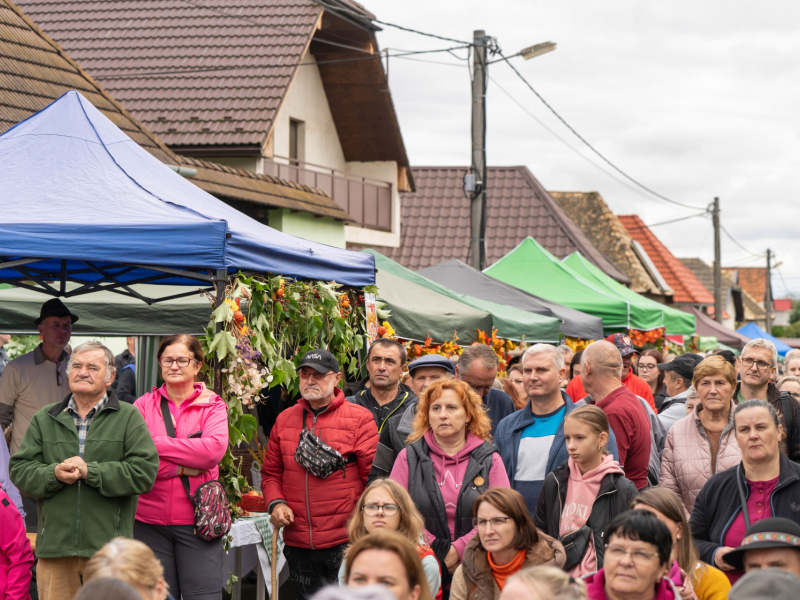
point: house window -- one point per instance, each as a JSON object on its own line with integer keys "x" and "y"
{"x": 296, "y": 141}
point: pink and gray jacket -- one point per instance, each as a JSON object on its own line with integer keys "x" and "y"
{"x": 204, "y": 412}
{"x": 16, "y": 558}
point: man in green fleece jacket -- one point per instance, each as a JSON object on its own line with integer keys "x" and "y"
{"x": 86, "y": 460}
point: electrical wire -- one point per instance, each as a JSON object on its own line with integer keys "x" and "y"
{"x": 345, "y": 10}
{"x": 592, "y": 148}
{"x": 725, "y": 231}
{"x": 403, "y": 55}
{"x": 703, "y": 214}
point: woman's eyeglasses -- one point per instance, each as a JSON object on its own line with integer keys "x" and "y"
{"x": 183, "y": 361}
{"x": 495, "y": 521}
{"x": 616, "y": 553}
{"x": 644, "y": 367}
{"x": 388, "y": 510}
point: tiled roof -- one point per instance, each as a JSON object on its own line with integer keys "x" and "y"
{"x": 34, "y": 71}
{"x": 705, "y": 275}
{"x": 591, "y": 213}
{"x": 435, "y": 220}
{"x": 782, "y": 304}
{"x": 211, "y": 75}
{"x": 687, "y": 289}
{"x": 751, "y": 279}
{"x": 131, "y": 47}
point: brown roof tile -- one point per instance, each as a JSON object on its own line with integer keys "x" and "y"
{"x": 687, "y": 289}
{"x": 751, "y": 279}
{"x": 131, "y": 46}
{"x": 435, "y": 219}
{"x": 206, "y": 74}
{"x": 34, "y": 71}
{"x": 591, "y": 213}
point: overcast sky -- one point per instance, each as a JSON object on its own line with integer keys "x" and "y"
{"x": 693, "y": 99}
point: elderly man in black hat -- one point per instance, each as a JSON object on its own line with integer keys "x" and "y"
{"x": 678, "y": 375}
{"x": 769, "y": 544}
{"x": 35, "y": 380}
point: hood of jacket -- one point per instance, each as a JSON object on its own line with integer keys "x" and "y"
{"x": 473, "y": 442}
{"x": 475, "y": 562}
{"x": 596, "y": 475}
{"x": 595, "y": 587}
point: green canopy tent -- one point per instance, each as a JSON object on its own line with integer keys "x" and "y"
{"x": 676, "y": 322}
{"x": 511, "y": 323}
{"x": 418, "y": 312}
{"x": 533, "y": 269}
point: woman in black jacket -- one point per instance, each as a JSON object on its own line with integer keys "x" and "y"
{"x": 768, "y": 482}
{"x": 581, "y": 497}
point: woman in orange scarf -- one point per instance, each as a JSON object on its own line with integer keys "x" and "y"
{"x": 507, "y": 542}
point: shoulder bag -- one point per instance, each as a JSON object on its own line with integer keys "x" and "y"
{"x": 212, "y": 517}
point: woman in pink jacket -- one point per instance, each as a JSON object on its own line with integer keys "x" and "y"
{"x": 16, "y": 558}
{"x": 702, "y": 443}
{"x": 165, "y": 515}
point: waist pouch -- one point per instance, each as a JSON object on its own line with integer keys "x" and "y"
{"x": 317, "y": 457}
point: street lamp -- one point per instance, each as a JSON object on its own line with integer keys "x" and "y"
{"x": 537, "y": 50}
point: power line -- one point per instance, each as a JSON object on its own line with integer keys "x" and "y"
{"x": 592, "y": 148}
{"x": 145, "y": 73}
{"x": 387, "y": 24}
{"x": 738, "y": 244}
{"x": 703, "y": 214}
{"x": 565, "y": 142}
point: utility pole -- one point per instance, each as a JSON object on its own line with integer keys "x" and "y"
{"x": 717, "y": 264}
{"x": 768, "y": 293}
{"x": 477, "y": 222}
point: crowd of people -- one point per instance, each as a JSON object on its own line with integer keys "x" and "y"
{"x": 607, "y": 474}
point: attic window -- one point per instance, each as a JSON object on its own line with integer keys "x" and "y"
{"x": 297, "y": 142}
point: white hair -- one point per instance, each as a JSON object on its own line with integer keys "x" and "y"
{"x": 555, "y": 354}
{"x": 762, "y": 343}
{"x": 565, "y": 350}
{"x": 108, "y": 357}
{"x": 691, "y": 392}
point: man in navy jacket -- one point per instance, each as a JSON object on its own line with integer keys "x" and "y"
{"x": 531, "y": 441}
{"x": 478, "y": 366}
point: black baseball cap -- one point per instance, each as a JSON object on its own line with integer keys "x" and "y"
{"x": 321, "y": 361}
{"x": 54, "y": 308}
{"x": 775, "y": 532}
{"x": 684, "y": 365}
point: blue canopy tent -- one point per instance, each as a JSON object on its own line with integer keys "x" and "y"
{"x": 84, "y": 203}
{"x": 753, "y": 331}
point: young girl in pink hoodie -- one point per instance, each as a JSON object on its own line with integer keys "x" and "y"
{"x": 581, "y": 497}
{"x": 16, "y": 558}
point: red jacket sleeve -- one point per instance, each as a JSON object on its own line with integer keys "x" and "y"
{"x": 272, "y": 469}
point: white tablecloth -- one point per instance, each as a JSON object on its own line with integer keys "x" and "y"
{"x": 247, "y": 540}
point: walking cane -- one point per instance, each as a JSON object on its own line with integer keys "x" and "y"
{"x": 274, "y": 564}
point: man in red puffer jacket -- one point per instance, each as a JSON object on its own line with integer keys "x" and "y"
{"x": 313, "y": 510}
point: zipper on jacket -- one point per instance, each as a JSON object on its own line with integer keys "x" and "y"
{"x": 78, "y": 518}
{"x": 396, "y": 408}
{"x": 308, "y": 504}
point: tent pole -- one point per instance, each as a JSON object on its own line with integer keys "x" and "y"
{"x": 220, "y": 282}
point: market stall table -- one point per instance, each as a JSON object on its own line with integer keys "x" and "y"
{"x": 249, "y": 549}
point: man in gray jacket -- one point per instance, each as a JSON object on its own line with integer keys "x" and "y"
{"x": 677, "y": 379}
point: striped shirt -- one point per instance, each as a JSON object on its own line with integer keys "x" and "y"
{"x": 82, "y": 425}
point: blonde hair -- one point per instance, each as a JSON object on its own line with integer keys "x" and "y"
{"x": 479, "y": 422}
{"x": 714, "y": 365}
{"x": 595, "y": 418}
{"x": 128, "y": 560}
{"x": 405, "y": 551}
{"x": 411, "y": 522}
{"x": 560, "y": 585}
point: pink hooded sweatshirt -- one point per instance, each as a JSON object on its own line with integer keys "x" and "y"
{"x": 16, "y": 558}
{"x": 581, "y": 493}
{"x": 205, "y": 412}
{"x": 450, "y": 471}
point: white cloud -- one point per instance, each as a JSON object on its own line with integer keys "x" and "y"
{"x": 693, "y": 99}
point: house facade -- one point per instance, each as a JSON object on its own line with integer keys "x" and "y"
{"x": 289, "y": 89}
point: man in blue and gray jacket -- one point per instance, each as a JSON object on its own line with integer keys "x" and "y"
{"x": 531, "y": 440}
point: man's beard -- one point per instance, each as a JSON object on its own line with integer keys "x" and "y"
{"x": 317, "y": 393}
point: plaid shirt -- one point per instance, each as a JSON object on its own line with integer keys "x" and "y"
{"x": 82, "y": 425}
